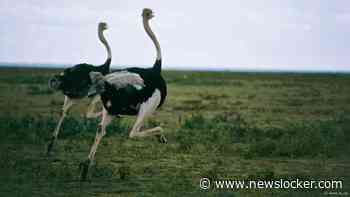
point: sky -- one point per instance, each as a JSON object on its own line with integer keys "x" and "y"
{"x": 232, "y": 34}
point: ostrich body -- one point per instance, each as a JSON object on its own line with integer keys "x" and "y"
{"x": 75, "y": 82}
{"x": 130, "y": 91}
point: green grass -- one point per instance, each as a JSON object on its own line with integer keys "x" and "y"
{"x": 219, "y": 125}
{"x": 305, "y": 139}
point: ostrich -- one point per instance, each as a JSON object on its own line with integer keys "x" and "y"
{"x": 130, "y": 91}
{"x": 75, "y": 82}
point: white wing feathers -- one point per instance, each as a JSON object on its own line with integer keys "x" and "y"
{"x": 124, "y": 78}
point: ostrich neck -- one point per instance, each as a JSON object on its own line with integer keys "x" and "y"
{"x": 105, "y": 43}
{"x": 153, "y": 37}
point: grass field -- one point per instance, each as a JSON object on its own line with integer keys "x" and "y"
{"x": 219, "y": 125}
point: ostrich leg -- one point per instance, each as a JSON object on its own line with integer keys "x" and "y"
{"x": 68, "y": 103}
{"x": 101, "y": 131}
{"x": 91, "y": 110}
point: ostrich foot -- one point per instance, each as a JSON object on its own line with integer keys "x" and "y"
{"x": 50, "y": 146}
{"x": 84, "y": 169}
{"x": 162, "y": 139}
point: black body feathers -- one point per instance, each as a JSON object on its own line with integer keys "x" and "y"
{"x": 75, "y": 81}
{"x": 157, "y": 67}
{"x": 127, "y": 100}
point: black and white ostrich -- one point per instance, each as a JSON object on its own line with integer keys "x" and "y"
{"x": 130, "y": 91}
{"x": 75, "y": 83}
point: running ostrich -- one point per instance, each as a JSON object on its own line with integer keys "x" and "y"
{"x": 130, "y": 91}
{"x": 75, "y": 82}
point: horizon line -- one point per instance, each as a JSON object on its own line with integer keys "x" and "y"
{"x": 179, "y": 68}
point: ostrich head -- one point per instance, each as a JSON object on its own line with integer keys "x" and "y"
{"x": 147, "y": 13}
{"x": 102, "y": 26}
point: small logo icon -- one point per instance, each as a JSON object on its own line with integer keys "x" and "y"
{"x": 204, "y": 183}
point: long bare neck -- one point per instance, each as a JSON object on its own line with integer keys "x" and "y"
{"x": 105, "y": 43}
{"x": 153, "y": 37}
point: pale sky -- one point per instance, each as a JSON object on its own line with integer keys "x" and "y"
{"x": 232, "y": 34}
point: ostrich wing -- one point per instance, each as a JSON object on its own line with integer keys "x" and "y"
{"x": 124, "y": 78}
{"x": 119, "y": 80}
